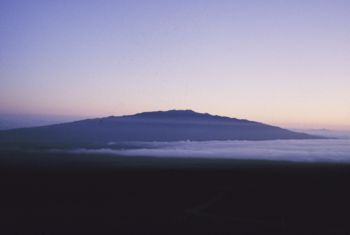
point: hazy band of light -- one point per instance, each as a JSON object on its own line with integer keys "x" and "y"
{"x": 277, "y": 150}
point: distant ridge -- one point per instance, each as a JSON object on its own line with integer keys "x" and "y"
{"x": 172, "y": 125}
{"x": 183, "y": 114}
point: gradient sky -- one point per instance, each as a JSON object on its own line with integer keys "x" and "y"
{"x": 280, "y": 62}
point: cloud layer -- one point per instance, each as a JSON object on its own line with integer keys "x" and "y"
{"x": 331, "y": 150}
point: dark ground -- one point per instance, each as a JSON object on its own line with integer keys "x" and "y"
{"x": 63, "y": 194}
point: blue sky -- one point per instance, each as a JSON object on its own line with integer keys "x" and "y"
{"x": 280, "y": 62}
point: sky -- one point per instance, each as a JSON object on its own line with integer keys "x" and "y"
{"x": 279, "y": 62}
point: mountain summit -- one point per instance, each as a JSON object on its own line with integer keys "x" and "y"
{"x": 172, "y": 125}
{"x": 181, "y": 115}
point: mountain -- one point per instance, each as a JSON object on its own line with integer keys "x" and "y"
{"x": 173, "y": 125}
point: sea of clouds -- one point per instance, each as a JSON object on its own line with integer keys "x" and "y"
{"x": 320, "y": 150}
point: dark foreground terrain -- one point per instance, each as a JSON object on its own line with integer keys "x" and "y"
{"x": 70, "y": 194}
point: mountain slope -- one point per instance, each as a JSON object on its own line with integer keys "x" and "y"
{"x": 173, "y": 125}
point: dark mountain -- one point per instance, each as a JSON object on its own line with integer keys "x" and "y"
{"x": 173, "y": 125}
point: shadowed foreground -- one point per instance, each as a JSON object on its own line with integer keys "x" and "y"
{"x": 172, "y": 196}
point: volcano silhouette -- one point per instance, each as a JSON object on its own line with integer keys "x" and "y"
{"x": 172, "y": 125}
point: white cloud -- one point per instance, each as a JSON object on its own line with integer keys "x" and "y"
{"x": 330, "y": 150}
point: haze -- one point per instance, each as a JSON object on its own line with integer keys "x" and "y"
{"x": 279, "y": 62}
{"x": 336, "y": 150}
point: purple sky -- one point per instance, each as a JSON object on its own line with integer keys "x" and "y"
{"x": 279, "y": 62}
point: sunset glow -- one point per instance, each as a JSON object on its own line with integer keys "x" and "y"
{"x": 278, "y": 62}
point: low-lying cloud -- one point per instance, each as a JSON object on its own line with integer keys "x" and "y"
{"x": 327, "y": 150}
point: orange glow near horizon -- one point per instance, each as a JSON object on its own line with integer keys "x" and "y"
{"x": 283, "y": 63}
